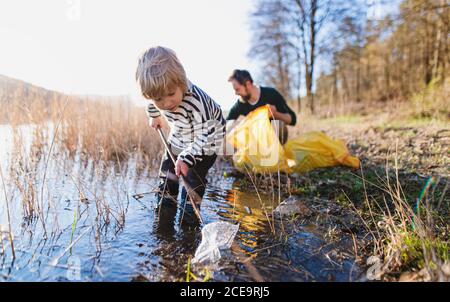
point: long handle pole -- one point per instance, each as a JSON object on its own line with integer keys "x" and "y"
{"x": 190, "y": 192}
{"x": 250, "y": 267}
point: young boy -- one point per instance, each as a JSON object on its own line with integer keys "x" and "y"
{"x": 197, "y": 126}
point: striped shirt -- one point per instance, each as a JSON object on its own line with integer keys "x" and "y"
{"x": 197, "y": 126}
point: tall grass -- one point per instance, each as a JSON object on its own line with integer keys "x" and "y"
{"x": 104, "y": 134}
{"x": 100, "y": 129}
{"x": 406, "y": 238}
{"x": 8, "y": 214}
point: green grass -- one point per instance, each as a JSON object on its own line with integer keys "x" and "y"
{"x": 413, "y": 255}
{"x": 74, "y": 225}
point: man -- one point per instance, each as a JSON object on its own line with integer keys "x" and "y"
{"x": 252, "y": 97}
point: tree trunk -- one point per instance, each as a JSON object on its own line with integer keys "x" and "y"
{"x": 299, "y": 83}
{"x": 308, "y": 80}
{"x": 312, "y": 29}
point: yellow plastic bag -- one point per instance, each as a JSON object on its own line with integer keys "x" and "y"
{"x": 256, "y": 144}
{"x": 316, "y": 150}
{"x": 258, "y": 149}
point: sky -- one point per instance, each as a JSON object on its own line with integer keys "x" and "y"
{"x": 92, "y": 46}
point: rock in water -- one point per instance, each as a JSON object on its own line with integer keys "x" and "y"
{"x": 292, "y": 206}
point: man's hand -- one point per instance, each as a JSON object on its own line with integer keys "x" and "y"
{"x": 181, "y": 168}
{"x": 273, "y": 111}
{"x": 285, "y": 117}
{"x": 156, "y": 122}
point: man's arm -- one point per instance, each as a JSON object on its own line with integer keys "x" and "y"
{"x": 234, "y": 112}
{"x": 284, "y": 113}
{"x": 285, "y": 117}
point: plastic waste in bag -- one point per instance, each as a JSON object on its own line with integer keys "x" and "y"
{"x": 216, "y": 236}
{"x": 258, "y": 149}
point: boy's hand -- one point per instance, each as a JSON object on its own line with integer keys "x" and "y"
{"x": 181, "y": 168}
{"x": 156, "y": 122}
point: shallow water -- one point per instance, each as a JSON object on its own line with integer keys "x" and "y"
{"x": 117, "y": 235}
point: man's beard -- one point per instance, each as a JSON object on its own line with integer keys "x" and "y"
{"x": 247, "y": 96}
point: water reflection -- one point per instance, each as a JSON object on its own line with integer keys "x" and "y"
{"x": 132, "y": 239}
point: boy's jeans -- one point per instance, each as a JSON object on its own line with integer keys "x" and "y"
{"x": 196, "y": 176}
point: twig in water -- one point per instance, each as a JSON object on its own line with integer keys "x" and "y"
{"x": 55, "y": 260}
{"x": 8, "y": 213}
{"x": 48, "y": 160}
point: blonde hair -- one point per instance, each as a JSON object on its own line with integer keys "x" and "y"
{"x": 158, "y": 71}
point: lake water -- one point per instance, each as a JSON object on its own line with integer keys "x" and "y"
{"x": 97, "y": 222}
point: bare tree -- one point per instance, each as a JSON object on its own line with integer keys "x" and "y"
{"x": 270, "y": 45}
{"x": 361, "y": 59}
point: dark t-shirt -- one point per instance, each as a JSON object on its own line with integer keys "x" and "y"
{"x": 268, "y": 96}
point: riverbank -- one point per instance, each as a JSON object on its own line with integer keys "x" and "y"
{"x": 395, "y": 208}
